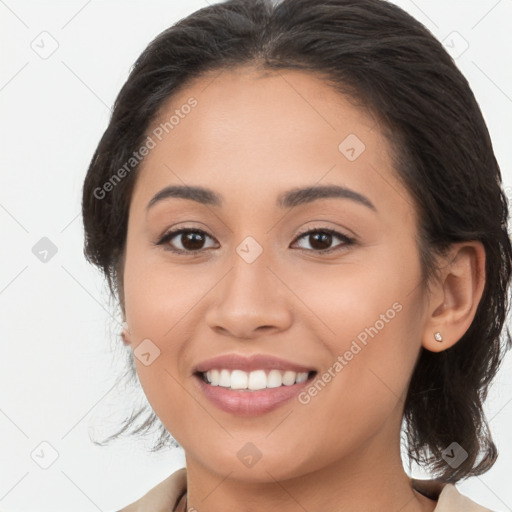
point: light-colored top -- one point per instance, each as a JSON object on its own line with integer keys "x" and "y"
{"x": 169, "y": 496}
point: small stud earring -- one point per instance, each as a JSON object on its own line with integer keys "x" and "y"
{"x": 438, "y": 337}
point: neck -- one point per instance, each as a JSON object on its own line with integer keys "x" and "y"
{"x": 370, "y": 479}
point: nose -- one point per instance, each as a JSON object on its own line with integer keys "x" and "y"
{"x": 249, "y": 301}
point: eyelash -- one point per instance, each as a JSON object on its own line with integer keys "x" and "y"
{"x": 172, "y": 234}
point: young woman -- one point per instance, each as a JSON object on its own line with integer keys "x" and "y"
{"x": 298, "y": 207}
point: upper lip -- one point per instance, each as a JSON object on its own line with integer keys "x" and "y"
{"x": 250, "y": 363}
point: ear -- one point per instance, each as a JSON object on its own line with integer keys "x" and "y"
{"x": 125, "y": 334}
{"x": 455, "y": 296}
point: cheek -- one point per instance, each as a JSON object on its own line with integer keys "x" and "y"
{"x": 159, "y": 295}
{"x": 353, "y": 299}
{"x": 370, "y": 321}
{"x": 155, "y": 300}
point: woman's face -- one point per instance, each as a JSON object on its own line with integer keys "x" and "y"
{"x": 251, "y": 282}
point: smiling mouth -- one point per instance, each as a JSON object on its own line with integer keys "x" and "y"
{"x": 239, "y": 380}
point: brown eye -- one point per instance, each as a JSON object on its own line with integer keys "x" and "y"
{"x": 190, "y": 240}
{"x": 321, "y": 239}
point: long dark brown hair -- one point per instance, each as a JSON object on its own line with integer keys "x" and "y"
{"x": 388, "y": 62}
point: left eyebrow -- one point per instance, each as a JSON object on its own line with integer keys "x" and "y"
{"x": 288, "y": 199}
{"x": 299, "y": 196}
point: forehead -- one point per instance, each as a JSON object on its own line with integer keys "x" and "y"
{"x": 250, "y": 132}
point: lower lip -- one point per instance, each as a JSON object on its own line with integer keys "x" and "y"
{"x": 250, "y": 403}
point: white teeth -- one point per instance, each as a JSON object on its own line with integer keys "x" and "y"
{"x": 257, "y": 379}
{"x": 289, "y": 378}
{"x": 239, "y": 379}
{"x": 274, "y": 379}
{"x": 302, "y": 377}
{"x": 225, "y": 379}
{"x": 214, "y": 377}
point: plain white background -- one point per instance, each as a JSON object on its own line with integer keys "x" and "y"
{"x": 57, "y": 367}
